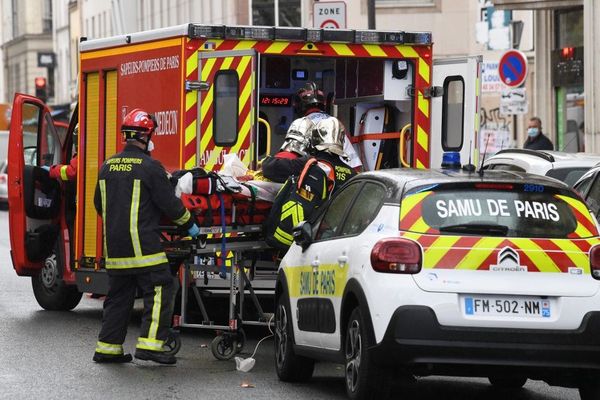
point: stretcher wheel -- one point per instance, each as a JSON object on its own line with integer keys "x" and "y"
{"x": 224, "y": 346}
{"x": 173, "y": 343}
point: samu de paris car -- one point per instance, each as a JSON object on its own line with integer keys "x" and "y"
{"x": 444, "y": 273}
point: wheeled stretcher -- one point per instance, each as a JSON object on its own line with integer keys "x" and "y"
{"x": 229, "y": 258}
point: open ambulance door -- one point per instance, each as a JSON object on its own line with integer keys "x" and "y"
{"x": 33, "y": 197}
{"x": 226, "y": 106}
{"x": 455, "y": 111}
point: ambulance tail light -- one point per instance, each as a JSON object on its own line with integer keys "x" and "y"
{"x": 595, "y": 262}
{"x": 494, "y": 186}
{"x": 396, "y": 256}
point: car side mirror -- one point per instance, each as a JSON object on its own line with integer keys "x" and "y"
{"x": 302, "y": 234}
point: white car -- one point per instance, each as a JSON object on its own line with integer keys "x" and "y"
{"x": 414, "y": 272}
{"x": 566, "y": 167}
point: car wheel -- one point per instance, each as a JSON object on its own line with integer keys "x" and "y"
{"x": 50, "y": 290}
{"x": 589, "y": 390}
{"x": 508, "y": 382}
{"x": 290, "y": 366}
{"x": 364, "y": 380}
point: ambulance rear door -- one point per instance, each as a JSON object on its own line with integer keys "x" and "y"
{"x": 455, "y": 109}
{"x": 226, "y": 109}
{"x": 33, "y": 197}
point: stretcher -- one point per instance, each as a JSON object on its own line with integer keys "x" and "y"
{"x": 230, "y": 259}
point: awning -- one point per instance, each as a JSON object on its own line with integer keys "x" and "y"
{"x": 535, "y": 5}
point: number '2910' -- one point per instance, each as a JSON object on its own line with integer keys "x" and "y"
{"x": 528, "y": 187}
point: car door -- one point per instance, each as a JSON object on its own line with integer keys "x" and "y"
{"x": 306, "y": 271}
{"x": 33, "y": 197}
{"x": 339, "y": 261}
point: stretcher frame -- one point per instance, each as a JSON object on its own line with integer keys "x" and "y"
{"x": 247, "y": 240}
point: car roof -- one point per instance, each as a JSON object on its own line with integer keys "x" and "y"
{"x": 410, "y": 178}
{"x": 542, "y": 160}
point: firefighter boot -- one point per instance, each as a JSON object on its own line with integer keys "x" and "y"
{"x": 156, "y": 356}
{"x": 112, "y": 358}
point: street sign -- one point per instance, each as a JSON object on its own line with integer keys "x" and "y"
{"x": 329, "y": 14}
{"x": 46, "y": 59}
{"x": 512, "y": 68}
{"x": 514, "y": 102}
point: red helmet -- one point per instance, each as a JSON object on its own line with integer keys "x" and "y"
{"x": 138, "y": 123}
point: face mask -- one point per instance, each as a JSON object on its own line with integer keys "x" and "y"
{"x": 150, "y": 147}
{"x": 533, "y": 132}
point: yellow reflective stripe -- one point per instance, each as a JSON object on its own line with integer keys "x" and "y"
{"x": 63, "y": 173}
{"x": 183, "y": 219}
{"x": 410, "y": 202}
{"x": 480, "y": 251}
{"x": 155, "y": 312}
{"x": 133, "y": 218}
{"x": 102, "y": 184}
{"x": 283, "y": 236}
{"x": 108, "y": 348}
{"x": 150, "y": 344}
{"x": 438, "y": 249}
{"x": 294, "y": 210}
{"x": 422, "y": 138}
{"x": 136, "y": 262}
{"x": 537, "y": 255}
{"x": 579, "y": 258}
{"x": 419, "y": 226}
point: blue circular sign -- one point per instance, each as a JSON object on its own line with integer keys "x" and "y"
{"x": 512, "y": 68}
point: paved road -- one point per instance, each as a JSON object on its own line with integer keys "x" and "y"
{"x": 48, "y": 355}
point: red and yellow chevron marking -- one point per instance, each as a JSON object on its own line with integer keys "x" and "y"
{"x": 419, "y": 55}
{"x": 479, "y": 253}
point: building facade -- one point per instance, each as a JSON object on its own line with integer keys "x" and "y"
{"x": 27, "y": 45}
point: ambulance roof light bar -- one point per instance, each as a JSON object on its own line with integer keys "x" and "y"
{"x": 310, "y": 35}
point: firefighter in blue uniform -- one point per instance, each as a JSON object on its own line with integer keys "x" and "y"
{"x": 132, "y": 194}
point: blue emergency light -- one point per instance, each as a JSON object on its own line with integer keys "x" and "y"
{"x": 451, "y": 160}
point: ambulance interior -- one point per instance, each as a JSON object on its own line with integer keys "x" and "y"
{"x": 369, "y": 96}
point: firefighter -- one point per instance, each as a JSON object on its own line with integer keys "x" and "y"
{"x": 132, "y": 194}
{"x": 309, "y": 106}
{"x": 321, "y": 176}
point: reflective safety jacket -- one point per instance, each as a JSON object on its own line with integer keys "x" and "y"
{"x": 300, "y": 196}
{"x": 282, "y": 165}
{"x": 132, "y": 194}
{"x": 65, "y": 172}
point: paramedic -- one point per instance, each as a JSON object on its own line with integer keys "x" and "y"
{"x": 132, "y": 194}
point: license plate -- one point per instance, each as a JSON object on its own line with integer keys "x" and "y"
{"x": 535, "y": 307}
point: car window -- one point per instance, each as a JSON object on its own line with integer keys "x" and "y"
{"x": 593, "y": 197}
{"x": 506, "y": 167}
{"x": 364, "y": 209}
{"x": 583, "y": 186}
{"x": 567, "y": 175}
{"x": 503, "y": 209}
{"x": 331, "y": 223}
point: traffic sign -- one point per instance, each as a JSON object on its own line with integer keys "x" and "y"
{"x": 512, "y": 68}
{"x": 329, "y": 14}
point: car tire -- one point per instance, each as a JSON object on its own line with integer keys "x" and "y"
{"x": 290, "y": 366}
{"x": 50, "y": 290}
{"x": 363, "y": 379}
{"x": 589, "y": 390}
{"x": 508, "y": 382}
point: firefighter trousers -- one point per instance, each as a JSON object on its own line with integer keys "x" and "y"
{"x": 156, "y": 287}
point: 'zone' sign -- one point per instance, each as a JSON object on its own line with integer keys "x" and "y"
{"x": 329, "y": 14}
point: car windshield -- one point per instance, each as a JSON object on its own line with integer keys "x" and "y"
{"x": 504, "y": 209}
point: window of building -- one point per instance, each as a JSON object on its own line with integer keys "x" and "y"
{"x": 406, "y": 3}
{"x": 569, "y": 32}
{"x": 276, "y": 12}
{"x": 47, "y": 17}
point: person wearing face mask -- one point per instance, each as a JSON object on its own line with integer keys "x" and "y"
{"x": 536, "y": 140}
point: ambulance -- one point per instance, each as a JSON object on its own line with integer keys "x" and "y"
{"x": 217, "y": 90}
